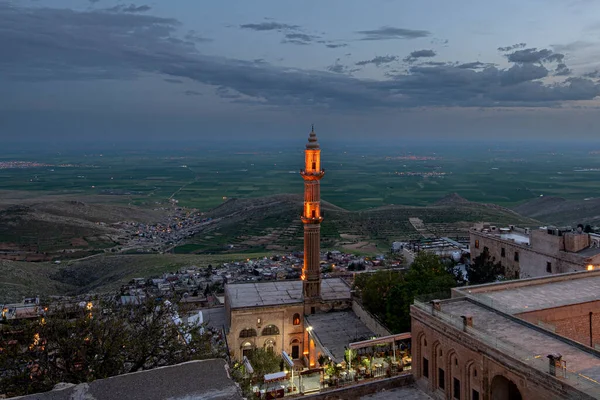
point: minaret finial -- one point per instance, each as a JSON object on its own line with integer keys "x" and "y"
{"x": 312, "y": 127}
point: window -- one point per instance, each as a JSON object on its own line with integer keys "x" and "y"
{"x": 314, "y": 165}
{"x": 456, "y": 361}
{"x": 486, "y": 249}
{"x": 247, "y": 333}
{"x": 548, "y": 267}
{"x": 517, "y": 256}
{"x": 456, "y": 389}
{"x": 477, "y": 244}
{"x": 312, "y": 310}
{"x": 296, "y": 319}
{"x": 425, "y": 367}
{"x": 441, "y": 379}
{"x": 503, "y": 252}
{"x": 475, "y": 373}
{"x": 475, "y": 395}
{"x": 441, "y": 354}
{"x": 270, "y": 330}
{"x": 314, "y": 214}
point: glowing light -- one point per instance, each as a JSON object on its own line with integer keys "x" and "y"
{"x": 309, "y": 328}
{"x": 590, "y": 267}
{"x": 89, "y": 306}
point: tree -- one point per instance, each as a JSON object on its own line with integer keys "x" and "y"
{"x": 264, "y": 361}
{"x": 484, "y": 269}
{"x": 427, "y": 275}
{"x": 79, "y": 344}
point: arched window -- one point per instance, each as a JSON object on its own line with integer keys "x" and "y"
{"x": 249, "y": 332}
{"x": 296, "y": 319}
{"x": 270, "y": 330}
{"x": 270, "y": 345}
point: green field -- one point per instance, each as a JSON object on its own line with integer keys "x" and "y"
{"x": 356, "y": 178}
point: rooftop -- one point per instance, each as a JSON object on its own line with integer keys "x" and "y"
{"x": 538, "y": 293}
{"x": 194, "y": 380}
{"x": 520, "y": 341}
{"x": 241, "y": 295}
{"x": 335, "y": 330}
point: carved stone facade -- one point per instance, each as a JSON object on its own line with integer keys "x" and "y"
{"x": 277, "y": 328}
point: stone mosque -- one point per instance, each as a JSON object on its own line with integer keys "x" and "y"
{"x": 274, "y": 314}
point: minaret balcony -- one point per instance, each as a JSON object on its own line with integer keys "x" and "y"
{"x": 310, "y": 220}
{"x": 312, "y": 175}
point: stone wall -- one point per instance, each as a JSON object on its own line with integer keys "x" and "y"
{"x": 539, "y": 259}
{"x": 571, "y": 321}
{"x": 355, "y": 392}
{"x": 473, "y": 364}
{"x": 369, "y": 320}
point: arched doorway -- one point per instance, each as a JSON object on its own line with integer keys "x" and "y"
{"x": 504, "y": 389}
{"x": 295, "y": 349}
{"x": 247, "y": 349}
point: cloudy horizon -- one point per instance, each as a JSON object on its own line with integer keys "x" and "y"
{"x": 101, "y": 69}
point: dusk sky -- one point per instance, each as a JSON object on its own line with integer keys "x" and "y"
{"x": 221, "y": 70}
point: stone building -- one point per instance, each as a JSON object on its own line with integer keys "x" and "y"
{"x": 526, "y": 253}
{"x": 534, "y": 338}
{"x": 271, "y": 315}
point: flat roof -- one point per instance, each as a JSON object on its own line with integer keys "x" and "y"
{"x": 336, "y": 330}
{"x": 194, "y": 380}
{"x": 520, "y": 341}
{"x": 241, "y": 295}
{"x": 539, "y": 293}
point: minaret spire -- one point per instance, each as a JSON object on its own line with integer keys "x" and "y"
{"x": 311, "y": 219}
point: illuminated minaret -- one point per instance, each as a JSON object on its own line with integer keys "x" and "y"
{"x": 311, "y": 218}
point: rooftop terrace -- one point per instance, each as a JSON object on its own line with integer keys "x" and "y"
{"x": 525, "y": 295}
{"x": 241, "y": 295}
{"x": 336, "y": 329}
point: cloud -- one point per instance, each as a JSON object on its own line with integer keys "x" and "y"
{"x": 594, "y": 74}
{"x": 132, "y": 8}
{"x": 562, "y": 70}
{"x": 573, "y": 46}
{"x": 49, "y": 44}
{"x": 519, "y": 73}
{"x": 512, "y": 47}
{"x": 298, "y": 38}
{"x": 533, "y": 55}
{"x": 192, "y": 93}
{"x": 336, "y": 45}
{"x": 413, "y": 56}
{"x": 390, "y": 32}
{"x": 269, "y": 26}
{"x": 379, "y": 60}
{"x": 170, "y": 80}
{"x": 193, "y": 37}
{"x": 475, "y": 65}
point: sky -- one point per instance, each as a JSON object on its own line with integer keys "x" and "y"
{"x": 376, "y": 70}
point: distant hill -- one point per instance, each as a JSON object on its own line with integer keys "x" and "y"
{"x": 273, "y": 223}
{"x": 560, "y": 211}
{"x": 45, "y": 230}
